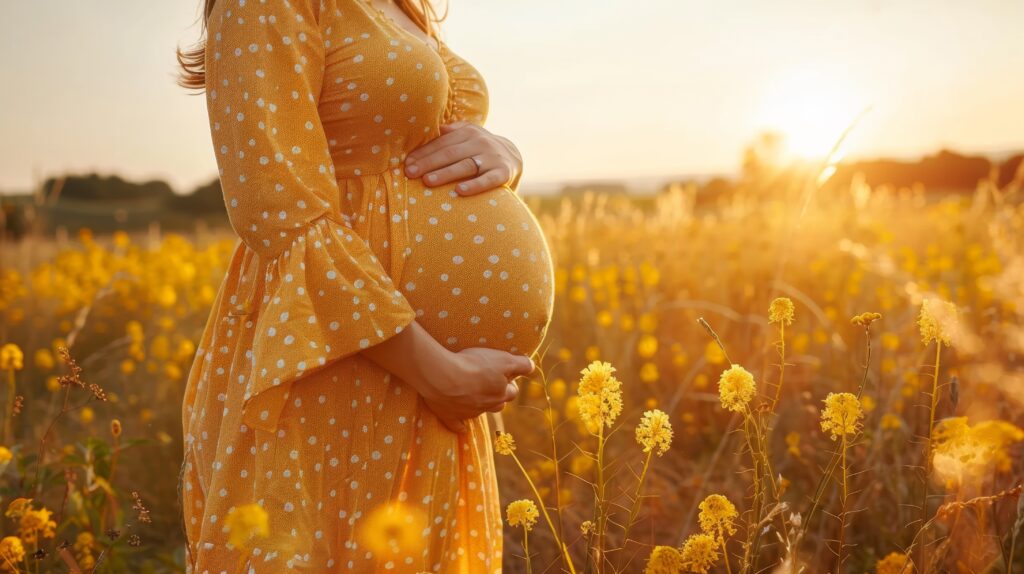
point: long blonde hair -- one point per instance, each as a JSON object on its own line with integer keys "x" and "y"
{"x": 193, "y": 62}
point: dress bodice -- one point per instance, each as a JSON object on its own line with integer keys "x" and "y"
{"x": 386, "y": 91}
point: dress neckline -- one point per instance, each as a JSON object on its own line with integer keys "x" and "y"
{"x": 386, "y": 20}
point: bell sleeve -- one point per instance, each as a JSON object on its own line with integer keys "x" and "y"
{"x": 312, "y": 286}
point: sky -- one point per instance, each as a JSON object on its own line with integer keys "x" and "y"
{"x": 587, "y": 89}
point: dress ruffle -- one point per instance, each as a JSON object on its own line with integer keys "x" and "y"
{"x": 321, "y": 302}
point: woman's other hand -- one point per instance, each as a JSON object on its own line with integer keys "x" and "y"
{"x": 450, "y": 157}
{"x": 455, "y": 385}
{"x": 472, "y": 382}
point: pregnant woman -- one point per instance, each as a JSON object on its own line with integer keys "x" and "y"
{"x": 388, "y": 288}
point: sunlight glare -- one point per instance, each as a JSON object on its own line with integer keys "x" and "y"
{"x": 811, "y": 109}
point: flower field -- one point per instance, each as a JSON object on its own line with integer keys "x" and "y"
{"x": 787, "y": 377}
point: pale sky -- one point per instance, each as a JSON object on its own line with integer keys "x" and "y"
{"x": 587, "y": 89}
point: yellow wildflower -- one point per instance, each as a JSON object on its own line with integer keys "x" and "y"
{"x": 647, "y": 347}
{"x": 587, "y": 527}
{"x": 522, "y": 513}
{"x": 12, "y": 553}
{"x": 700, "y": 552}
{"x": 793, "y": 444}
{"x": 36, "y": 524}
{"x": 866, "y": 319}
{"x": 83, "y": 550}
{"x": 842, "y": 415}
{"x": 894, "y": 563}
{"x": 781, "y": 311}
{"x": 394, "y": 528}
{"x": 713, "y": 353}
{"x": 654, "y": 432}
{"x": 736, "y": 388}
{"x": 937, "y": 321}
{"x": 87, "y": 415}
{"x": 44, "y": 359}
{"x": 891, "y": 422}
{"x": 245, "y": 522}
{"x": 504, "y": 443}
{"x": 717, "y": 515}
{"x": 649, "y": 373}
{"x": 11, "y": 358}
{"x": 966, "y": 454}
{"x": 115, "y": 428}
{"x": 600, "y": 395}
{"x": 664, "y": 560}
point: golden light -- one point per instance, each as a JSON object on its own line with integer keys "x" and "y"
{"x": 811, "y": 108}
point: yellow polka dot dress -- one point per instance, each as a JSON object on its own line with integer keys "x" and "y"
{"x": 313, "y": 106}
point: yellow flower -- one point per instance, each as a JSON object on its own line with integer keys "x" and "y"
{"x": 600, "y": 395}
{"x": 866, "y": 319}
{"x": 11, "y": 358}
{"x": 664, "y": 560}
{"x": 894, "y": 563}
{"x": 649, "y": 373}
{"x": 781, "y": 311}
{"x": 87, "y": 415}
{"x": 522, "y": 513}
{"x": 5, "y": 455}
{"x": 793, "y": 444}
{"x": 504, "y": 443}
{"x": 557, "y": 389}
{"x": 115, "y": 428}
{"x": 736, "y": 388}
{"x": 83, "y": 550}
{"x": 245, "y": 522}
{"x": 842, "y": 415}
{"x": 713, "y": 353}
{"x": 965, "y": 454}
{"x": 937, "y": 321}
{"x": 868, "y": 403}
{"x": 700, "y": 552}
{"x": 647, "y": 346}
{"x": 12, "y": 552}
{"x": 654, "y": 432}
{"x": 35, "y": 524}
{"x": 44, "y": 359}
{"x": 891, "y": 422}
{"x": 18, "y": 507}
{"x": 717, "y": 514}
{"x": 394, "y": 528}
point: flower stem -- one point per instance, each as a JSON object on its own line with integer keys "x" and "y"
{"x": 544, "y": 509}
{"x": 635, "y": 508}
{"x": 526, "y": 550}
{"x": 842, "y": 509}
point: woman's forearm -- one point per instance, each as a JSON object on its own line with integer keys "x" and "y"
{"x": 413, "y": 356}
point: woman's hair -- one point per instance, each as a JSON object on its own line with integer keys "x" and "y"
{"x": 193, "y": 62}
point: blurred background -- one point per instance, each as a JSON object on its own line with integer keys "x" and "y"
{"x": 686, "y": 159}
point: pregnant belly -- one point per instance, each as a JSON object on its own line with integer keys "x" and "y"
{"x": 479, "y": 273}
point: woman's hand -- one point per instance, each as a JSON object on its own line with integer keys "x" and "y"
{"x": 456, "y": 386}
{"x": 472, "y": 382}
{"x": 466, "y": 151}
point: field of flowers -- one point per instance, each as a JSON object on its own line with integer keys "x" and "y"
{"x": 781, "y": 378}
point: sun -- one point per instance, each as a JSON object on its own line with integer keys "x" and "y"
{"x": 811, "y": 109}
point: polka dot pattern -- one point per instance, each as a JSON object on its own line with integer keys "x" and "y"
{"x": 313, "y": 106}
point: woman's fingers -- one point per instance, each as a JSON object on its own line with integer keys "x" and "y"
{"x": 434, "y": 153}
{"x": 518, "y": 365}
{"x": 486, "y": 180}
{"x": 454, "y": 425}
{"x": 461, "y": 169}
{"x": 511, "y": 392}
